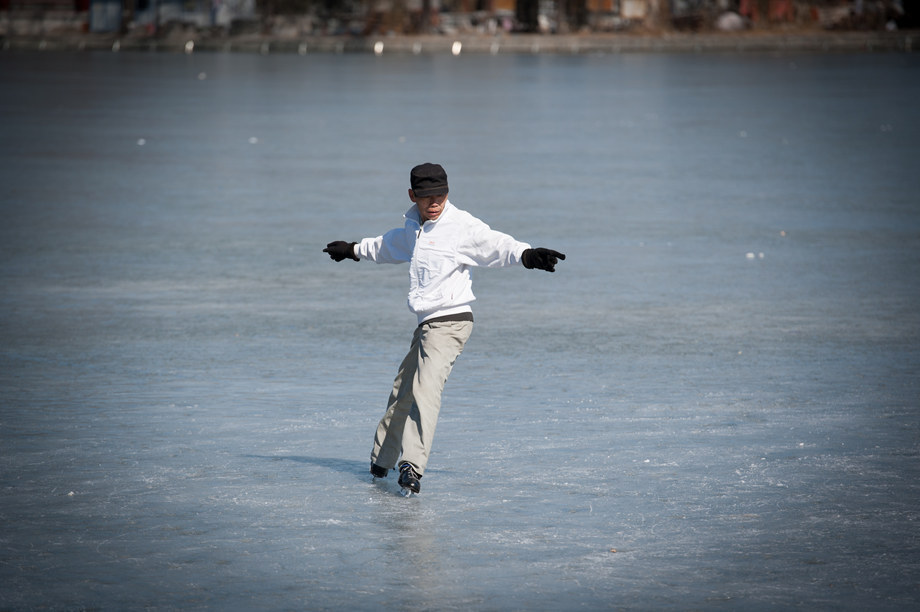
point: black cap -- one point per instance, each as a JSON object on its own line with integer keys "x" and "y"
{"x": 428, "y": 180}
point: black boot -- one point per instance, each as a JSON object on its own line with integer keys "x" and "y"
{"x": 409, "y": 478}
{"x": 378, "y": 472}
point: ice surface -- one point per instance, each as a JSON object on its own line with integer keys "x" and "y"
{"x": 189, "y": 387}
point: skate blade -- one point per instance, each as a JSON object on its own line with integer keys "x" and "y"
{"x": 407, "y": 492}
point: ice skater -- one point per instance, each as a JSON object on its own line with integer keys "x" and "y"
{"x": 441, "y": 243}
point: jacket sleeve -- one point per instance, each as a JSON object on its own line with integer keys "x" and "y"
{"x": 489, "y": 248}
{"x": 392, "y": 247}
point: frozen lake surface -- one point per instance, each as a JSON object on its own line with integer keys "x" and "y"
{"x": 713, "y": 404}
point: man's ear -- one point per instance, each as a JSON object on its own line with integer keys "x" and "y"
{"x": 412, "y": 196}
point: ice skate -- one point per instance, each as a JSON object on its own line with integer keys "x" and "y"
{"x": 409, "y": 480}
{"x": 378, "y": 472}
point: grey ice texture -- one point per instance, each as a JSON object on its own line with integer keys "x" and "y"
{"x": 712, "y": 404}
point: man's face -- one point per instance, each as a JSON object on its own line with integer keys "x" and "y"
{"x": 429, "y": 207}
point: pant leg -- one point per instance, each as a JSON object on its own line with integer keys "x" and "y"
{"x": 388, "y": 438}
{"x": 409, "y": 423}
{"x": 439, "y": 347}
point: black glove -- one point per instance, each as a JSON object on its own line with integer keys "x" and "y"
{"x": 340, "y": 249}
{"x": 542, "y": 259}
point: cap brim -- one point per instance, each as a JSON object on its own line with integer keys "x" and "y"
{"x": 430, "y": 191}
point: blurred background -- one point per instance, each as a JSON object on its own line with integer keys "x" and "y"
{"x": 287, "y": 20}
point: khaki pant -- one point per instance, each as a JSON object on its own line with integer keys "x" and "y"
{"x": 408, "y": 426}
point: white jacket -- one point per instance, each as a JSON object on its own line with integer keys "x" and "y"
{"x": 440, "y": 254}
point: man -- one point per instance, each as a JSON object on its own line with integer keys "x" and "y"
{"x": 441, "y": 243}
